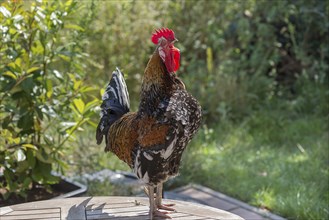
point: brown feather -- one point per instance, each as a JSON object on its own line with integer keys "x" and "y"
{"x": 154, "y": 72}
{"x": 122, "y": 137}
{"x": 130, "y": 131}
{"x": 151, "y": 133}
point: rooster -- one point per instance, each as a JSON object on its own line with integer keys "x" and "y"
{"x": 152, "y": 140}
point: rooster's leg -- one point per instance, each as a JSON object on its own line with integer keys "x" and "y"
{"x": 154, "y": 212}
{"x": 151, "y": 199}
{"x": 158, "y": 199}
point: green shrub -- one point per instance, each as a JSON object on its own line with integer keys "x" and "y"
{"x": 240, "y": 56}
{"x": 43, "y": 97}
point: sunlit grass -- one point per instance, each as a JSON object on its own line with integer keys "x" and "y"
{"x": 277, "y": 164}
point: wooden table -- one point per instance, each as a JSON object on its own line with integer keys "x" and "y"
{"x": 88, "y": 208}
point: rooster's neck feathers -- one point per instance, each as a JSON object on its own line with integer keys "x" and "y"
{"x": 158, "y": 84}
{"x": 154, "y": 72}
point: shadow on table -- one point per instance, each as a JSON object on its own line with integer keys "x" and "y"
{"x": 118, "y": 210}
{"x": 89, "y": 212}
{"x": 78, "y": 211}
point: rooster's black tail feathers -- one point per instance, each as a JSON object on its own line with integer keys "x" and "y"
{"x": 115, "y": 104}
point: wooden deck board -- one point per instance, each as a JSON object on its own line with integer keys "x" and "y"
{"x": 45, "y": 213}
{"x": 203, "y": 195}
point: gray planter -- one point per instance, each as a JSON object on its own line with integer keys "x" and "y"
{"x": 69, "y": 188}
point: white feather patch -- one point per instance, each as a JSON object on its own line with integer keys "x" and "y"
{"x": 139, "y": 172}
{"x": 165, "y": 154}
{"x": 136, "y": 164}
{"x": 146, "y": 177}
{"x": 147, "y": 156}
{"x": 118, "y": 94}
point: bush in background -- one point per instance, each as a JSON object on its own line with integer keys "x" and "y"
{"x": 43, "y": 98}
{"x": 239, "y": 56}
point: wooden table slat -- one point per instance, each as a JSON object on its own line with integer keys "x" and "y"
{"x": 117, "y": 210}
{"x": 36, "y": 211}
{"x": 111, "y": 206}
{"x": 91, "y": 208}
{"x": 30, "y": 217}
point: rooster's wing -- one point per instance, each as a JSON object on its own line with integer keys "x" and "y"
{"x": 162, "y": 137}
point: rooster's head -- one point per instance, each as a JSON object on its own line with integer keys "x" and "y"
{"x": 165, "y": 38}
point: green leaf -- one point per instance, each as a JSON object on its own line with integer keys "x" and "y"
{"x": 51, "y": 179}
{"x": 30, "y": 155}
{"x": 5, "y": 12}
{"x": 91, "y": 104}
{"x": 18, "y": 18}
{"x": 64, "y": 57}
{"x": 74, "y": 27}
{"x": 45, "y": 169}
{"x": 58, "y": 75}
{"x": 36, "y": 173}
{"x": 88, "y": 89}
{"x": 49, "y": 140}
{"x": 10, "y": 74}
{"x": 37, "y": 48}
{"x": 8, "y": 85}
{"x": 28, "y": 85}
{"x": 67, "y": 125}
{"x": 9, "y": 176}
{"x": 14, "y": 66}
{"x": 20, "y": 155}
{"x": 32, "y": 69}
{"x": 44, "y": 157}
{"x": 49, "y": 87}
{"x": 77, "y": 84}
{"x": 6, "y": 121}
{"x": 31, "y": 146}
{"x": 22, "y": 166}
{"x": 27, "y": 182}
{"x": 79, "y": 104}
{"x": 26, "y": 121}
{"x": 68, "y": 3}
{"x": 92, "y": 123}
{"x": 39, "y": 112}
{"x": 101, "y": 92}
{"x": 75, "y": 111}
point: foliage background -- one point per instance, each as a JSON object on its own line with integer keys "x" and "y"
{"x": 259, "y": 69}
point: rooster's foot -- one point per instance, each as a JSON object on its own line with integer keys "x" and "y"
{"x": 166, "y": 207}
{"x": 159, "y": 214}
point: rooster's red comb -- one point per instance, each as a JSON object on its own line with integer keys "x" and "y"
{"x": 168, "y": 34}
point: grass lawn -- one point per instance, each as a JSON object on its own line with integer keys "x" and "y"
{"x": 272, "y": 160}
